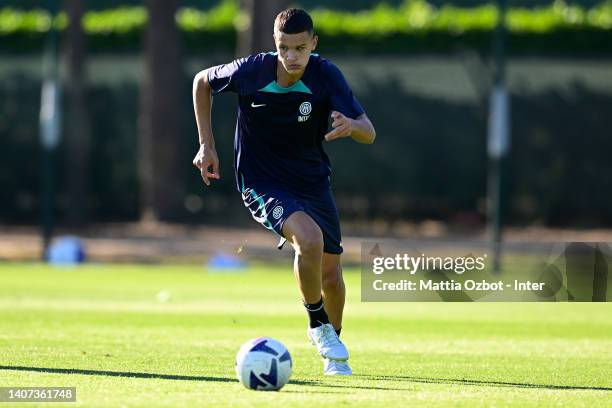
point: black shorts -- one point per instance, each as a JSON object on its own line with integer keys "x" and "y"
{"x": 271, "y": 206}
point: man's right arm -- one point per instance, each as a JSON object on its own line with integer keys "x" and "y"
{"x": 202, "y": 105}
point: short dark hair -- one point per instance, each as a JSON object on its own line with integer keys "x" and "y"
{"x": 293, "y": 21}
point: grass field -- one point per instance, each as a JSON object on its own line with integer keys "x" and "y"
{"x": 167, "y": 336}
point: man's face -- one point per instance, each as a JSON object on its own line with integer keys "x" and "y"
{"x": 294, "y": 50}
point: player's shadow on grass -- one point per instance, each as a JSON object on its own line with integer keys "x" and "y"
{"x": 119, "y": 374}
{"x": 130, "y": 374}
{"x": 427, "y": 380}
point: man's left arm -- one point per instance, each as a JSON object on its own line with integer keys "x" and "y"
{"x": 360, "y": 129}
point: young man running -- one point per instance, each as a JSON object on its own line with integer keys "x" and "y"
{"x": 285, "y": 100}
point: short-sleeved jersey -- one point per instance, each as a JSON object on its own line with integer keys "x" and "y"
{"x": 280, "y": 130}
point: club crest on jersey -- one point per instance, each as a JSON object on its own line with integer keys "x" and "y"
{"x": 305, "y": 109}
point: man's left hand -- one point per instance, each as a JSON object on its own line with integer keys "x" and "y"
{"x": 342, "y": 126}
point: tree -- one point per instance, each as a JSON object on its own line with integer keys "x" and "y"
{"x": 161, "y": 190}
{"x": 257, "y": 35}
{"x": 77, "y": 130}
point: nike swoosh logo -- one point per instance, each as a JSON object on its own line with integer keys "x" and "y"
{"x": 257, "y": 106}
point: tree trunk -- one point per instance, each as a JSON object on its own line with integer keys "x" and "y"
{"x": 257, "y": 36}
{"x": 77, "y": 130}
{"x": 161, "y": 189}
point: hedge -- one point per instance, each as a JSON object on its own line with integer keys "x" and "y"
{"x": 416, "y": 25}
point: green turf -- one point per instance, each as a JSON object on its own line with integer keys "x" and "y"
{"x": 110, "y": 323}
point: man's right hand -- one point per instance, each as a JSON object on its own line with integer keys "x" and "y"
{"x": 204, "y": 160}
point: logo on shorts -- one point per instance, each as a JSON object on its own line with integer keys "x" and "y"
{"x": 277, "y": 212}
{"x": 305, "y": 109}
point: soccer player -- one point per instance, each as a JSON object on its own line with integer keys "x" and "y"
{"x": 285, "y": 100}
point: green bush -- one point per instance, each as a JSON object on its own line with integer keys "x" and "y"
{"x": 413, "y": 26}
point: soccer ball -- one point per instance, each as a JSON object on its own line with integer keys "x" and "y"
{"x": 263, "y": 364}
